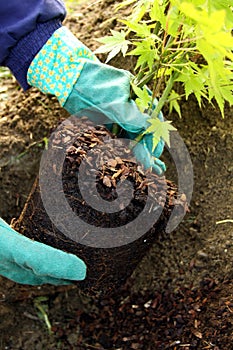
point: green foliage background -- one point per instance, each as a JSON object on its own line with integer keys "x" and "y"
{"x": 189, "y": 41}
{"x": 185, "y": 41}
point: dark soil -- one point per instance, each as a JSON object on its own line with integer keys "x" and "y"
{"x": 180, "y": 296}
{"x": 114, "y": 257}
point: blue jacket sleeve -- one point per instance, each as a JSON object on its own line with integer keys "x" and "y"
{"x": 25, "y": 26}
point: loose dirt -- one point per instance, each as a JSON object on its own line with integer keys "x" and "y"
{"x": 180, "y": 296}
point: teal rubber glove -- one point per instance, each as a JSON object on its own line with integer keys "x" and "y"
{"x": 68, "y": 69}
{"x": 109, "y": 98}
{"x": 28, "y": 262}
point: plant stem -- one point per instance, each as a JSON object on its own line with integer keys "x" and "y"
{"x": 147, "y": 78}
{"x": 38, "y": 304}
{"x": 140, "y": 74}
{"x": 139, "y": 81}
{"x": 164, "y": 97}
{"x": 115, "y": 129}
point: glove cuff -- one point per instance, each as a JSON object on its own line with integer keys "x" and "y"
{"x": 59, "y": 63}
{"x": 25, "y": 50}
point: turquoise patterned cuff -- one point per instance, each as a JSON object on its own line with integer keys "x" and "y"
{"x": 57, "y": 66}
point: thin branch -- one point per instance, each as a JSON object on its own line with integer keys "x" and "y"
{"x": 224, "y": 221}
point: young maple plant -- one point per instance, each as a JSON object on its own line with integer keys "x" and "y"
{"x": 185, "y": 41}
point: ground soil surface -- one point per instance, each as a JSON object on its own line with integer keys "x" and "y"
{"x": 180, "y": 296}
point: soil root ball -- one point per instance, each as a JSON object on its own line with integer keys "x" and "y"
{"x": 116, "y": 174}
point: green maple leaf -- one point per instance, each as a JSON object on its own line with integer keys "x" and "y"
{"x": 173, "y": 102}
{"x": 159, "y": 130}
{"x": 144, "y": 99}
{"x": 113, "y": 44}
{"x": 147, "y": 53}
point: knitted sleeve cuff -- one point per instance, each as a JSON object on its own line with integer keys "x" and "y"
{"x": 25, "y": 50}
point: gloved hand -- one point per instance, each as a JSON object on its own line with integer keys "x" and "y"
{"x": 26, "y": 261}
{"x": 66, "y": 68}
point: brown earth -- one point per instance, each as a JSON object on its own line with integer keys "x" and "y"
{"x": 180, "y": 296}
{"x": 118, "y": 177}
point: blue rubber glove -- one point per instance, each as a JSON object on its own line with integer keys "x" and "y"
{"x": 28, "y": 262}
{"x": 66, "y": 68}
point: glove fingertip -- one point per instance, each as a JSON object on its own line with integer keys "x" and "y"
{"x": 74, "y": 269}
{"x": 81, "y": 271}
{"x": 159, "y": 163}
{"x": 159, "y": 149}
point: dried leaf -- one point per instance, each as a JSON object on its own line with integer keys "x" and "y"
{"x": 93, "y": 144}
{"x": 114, "y": 176}
{"x": 197, "y": 334}
{"x": 119, "y": 160}
{"x": 112, "y": 163}
{"x": 66, "y": 139}
{"x": 114, "y": 183}
{"x": 107, "y": 182}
